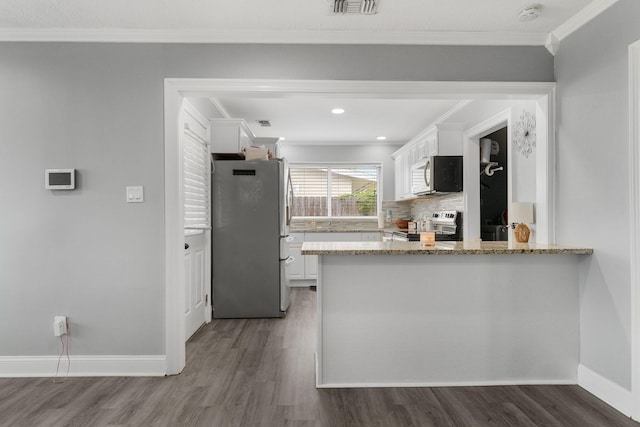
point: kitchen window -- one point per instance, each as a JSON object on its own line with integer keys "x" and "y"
{"x": 335, "y": 190}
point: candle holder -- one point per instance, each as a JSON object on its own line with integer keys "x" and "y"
{"x": 427, "y": 238}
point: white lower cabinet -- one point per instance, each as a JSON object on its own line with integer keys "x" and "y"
{"x": 310, "y": 266}
{"x": 371, "y": 237}
{"x": 297, "y": 267}
{"x": 305, "y": 267}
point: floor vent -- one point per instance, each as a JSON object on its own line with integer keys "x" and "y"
{"x": 354, "y": 7}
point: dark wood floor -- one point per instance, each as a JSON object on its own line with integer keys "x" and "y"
{"x": 261, "y": 373}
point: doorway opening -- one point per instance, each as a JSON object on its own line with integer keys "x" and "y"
{"x": 493, "y": 186}
{"x": 176, "y": 90}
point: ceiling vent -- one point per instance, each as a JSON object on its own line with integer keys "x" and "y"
{"x": 354, "y": 7}
{"x": 264, "y": 123}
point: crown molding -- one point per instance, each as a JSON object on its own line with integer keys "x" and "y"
{"x": 585, "y": 15}
{"x": 272, "y": 37}
{"x": 219, "y": 107}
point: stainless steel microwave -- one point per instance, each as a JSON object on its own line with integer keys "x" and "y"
{"x": 437, "y": 174}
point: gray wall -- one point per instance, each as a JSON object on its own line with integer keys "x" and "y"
{"x": 99, "y": 108}
{"x": 593, "y": 141}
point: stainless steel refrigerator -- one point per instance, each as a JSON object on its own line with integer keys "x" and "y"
{"x": 250, "y": 253}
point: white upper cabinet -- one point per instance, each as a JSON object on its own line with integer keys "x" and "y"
{"x": 448, "y": 139}
{"x": 230, "y": 135}
{"x": 402, "y": 165}
{"x": 444, "y": 139}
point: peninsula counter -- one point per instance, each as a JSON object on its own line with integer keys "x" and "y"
{"x": 457, "y": 313}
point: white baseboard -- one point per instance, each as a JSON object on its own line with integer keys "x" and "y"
{"x": 448, "y": 384}
{"x": 606, "y": 390}
{"x": 82, "y": 366}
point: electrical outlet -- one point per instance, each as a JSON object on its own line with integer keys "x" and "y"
{"x": 59, "y": 325}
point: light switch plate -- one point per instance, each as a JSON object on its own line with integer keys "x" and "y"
{"x": 135, "y": 194}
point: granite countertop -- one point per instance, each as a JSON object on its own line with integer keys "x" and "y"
{"x": 334, "y": 230}
{"x": 440, "y": 248}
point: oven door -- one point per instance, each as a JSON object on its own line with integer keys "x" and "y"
{"x": 420, "y": 180}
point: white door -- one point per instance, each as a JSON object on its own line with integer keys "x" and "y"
{"x": 197, "y": 252}
{"x": 195, "y": 297}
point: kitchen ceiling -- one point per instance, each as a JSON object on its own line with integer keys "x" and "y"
{"x": 309, "y": 120}
{"x": 292, "y": 21}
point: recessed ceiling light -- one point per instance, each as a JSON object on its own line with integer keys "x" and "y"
{"x": 338, "y": 111}
{"x": 282, "y": 138}
{"x": 381, "y": 138}
{"x": 529, "y": 13}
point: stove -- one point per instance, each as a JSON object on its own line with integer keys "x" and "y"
{"x": 446, "y": 224}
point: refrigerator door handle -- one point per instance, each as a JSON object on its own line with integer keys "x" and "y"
{"x": 289, "y": 196}
{"x": 289, "y": 260}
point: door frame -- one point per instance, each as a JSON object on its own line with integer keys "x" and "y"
{"x": 176, "y": 89}
{"x": 634, "y": 207}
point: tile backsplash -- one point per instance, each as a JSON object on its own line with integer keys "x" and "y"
{"x": 446, "y": 202}
{"x": 398, "y": 209}
{"x": 418, "y": 208}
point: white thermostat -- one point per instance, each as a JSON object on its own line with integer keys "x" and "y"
{"x": 60, "y": 179}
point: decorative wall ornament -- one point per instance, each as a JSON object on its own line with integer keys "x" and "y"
{"x": 524, "y": 134}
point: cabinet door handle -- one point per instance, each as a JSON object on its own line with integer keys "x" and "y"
{"x": 186, "y": 246}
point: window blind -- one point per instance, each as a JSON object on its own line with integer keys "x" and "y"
{"x": 196, "y": 182}
{"x": 335, "y": 190}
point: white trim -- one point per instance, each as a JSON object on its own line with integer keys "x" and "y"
{"x": 174, "y": 232}
{"x": 220, "y": 108}
{"x": 634, "y": 216}
{"x": 361, "y": 88}
{"x": 585, "y": 15}
{"x": 176, "y": 89}
{"x": 605, "y": 390}
{"x": 113, "y": 35}
{"x": 552, "y": 44}
{"x": 449, "y": 384}
{"x": 82, "y": 366}
{"x": 546, "y": 169}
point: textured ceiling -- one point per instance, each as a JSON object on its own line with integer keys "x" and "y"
{"x": 411, "y": 18}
